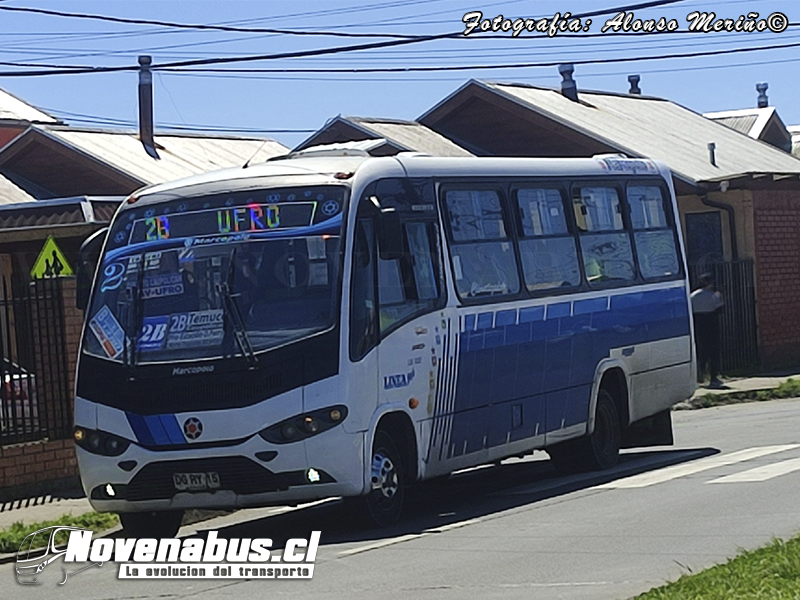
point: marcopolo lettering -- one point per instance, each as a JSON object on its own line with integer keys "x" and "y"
{"x": 192, "y": 370}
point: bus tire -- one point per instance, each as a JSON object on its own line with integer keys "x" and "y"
{"x": 382, "y": 506}
{"x": 604, "y": 443}
{"x": 597, "y": 451}
{"x": 152, "y": 524}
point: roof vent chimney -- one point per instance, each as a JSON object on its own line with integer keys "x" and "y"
{"x": 634, "y": 81}
{"x": 763, "y": 101}
{"x": 712, "y": 156}
{"x": 569, "y": 88}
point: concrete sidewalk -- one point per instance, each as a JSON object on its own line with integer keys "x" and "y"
{"x": 42, "y": 508}
{"x": 745, "y": 384}
{"x": 46, "y": 508}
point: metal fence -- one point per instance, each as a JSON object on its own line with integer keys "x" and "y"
{"x": 35, "y": 397}
{"x": 738, "y": 331}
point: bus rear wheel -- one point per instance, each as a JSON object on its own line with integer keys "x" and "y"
{"x": 152, "y": 524}
{"x": 597, "y": 451}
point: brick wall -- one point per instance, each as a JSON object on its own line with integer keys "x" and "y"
{"x": 777, "y": 241}
{"x": 73, "y": 323}
{"x": 38, "y": 467}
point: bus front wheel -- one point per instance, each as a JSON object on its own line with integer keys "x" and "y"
{"x": 152, "y": 524}
{"x": 383, "y": 504}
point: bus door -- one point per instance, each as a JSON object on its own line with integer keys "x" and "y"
{"x": 410, "y": 320}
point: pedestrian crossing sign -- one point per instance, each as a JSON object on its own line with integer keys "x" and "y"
{"x": 51, "y": 262}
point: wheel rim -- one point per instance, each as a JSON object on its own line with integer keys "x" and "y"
{"x": 385, "y": 479}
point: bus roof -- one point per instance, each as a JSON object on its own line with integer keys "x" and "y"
{"x": 325, "y": 168}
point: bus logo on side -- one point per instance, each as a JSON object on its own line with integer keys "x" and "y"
{"x": 391, "y": 382}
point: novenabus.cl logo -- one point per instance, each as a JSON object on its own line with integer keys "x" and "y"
{"x": 174, "y": 558}
{"x": 42, "y": 547}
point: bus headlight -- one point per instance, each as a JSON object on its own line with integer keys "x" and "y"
{"x": 100, "y": 442}
{"x": 305, "y": 425}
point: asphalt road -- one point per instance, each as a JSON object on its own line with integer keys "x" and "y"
{"x": 518, "y": 530}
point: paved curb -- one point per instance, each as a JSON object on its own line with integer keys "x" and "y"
{"x": 724, "y": 397}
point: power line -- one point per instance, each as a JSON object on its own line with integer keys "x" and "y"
{"x": 182, "y": 65}
{"x": 478, "y": 67}
{"x": 234, "y": 29}
{"x": 84, "y": 118}
{"x": 422, "y": 78}
{"x": 174, "y": 25}
{"x": 208, "y": 61}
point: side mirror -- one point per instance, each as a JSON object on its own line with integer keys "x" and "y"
{"x": 391, "y": 235}
{"x": 88, "y": 257}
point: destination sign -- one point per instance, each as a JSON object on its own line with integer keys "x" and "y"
{"x": 222, "y": 221}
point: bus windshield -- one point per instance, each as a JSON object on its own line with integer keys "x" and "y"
{"x": 245, "y": 273}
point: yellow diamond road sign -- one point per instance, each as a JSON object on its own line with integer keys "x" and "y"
{"x": 51, "y": 262}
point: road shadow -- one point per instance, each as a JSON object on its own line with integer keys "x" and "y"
{"x": 470, "y": 494}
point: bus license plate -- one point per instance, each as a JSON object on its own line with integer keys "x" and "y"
{"x": 196, "y": 481}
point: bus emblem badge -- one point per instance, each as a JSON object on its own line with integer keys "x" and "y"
{"x": 330, "y": 208}
{"x": 193, "y": 428}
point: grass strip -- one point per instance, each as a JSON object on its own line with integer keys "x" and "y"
{"x": 12, "y": 537}
{"x": 768, "y": 573}
{"x": 788, "y": 389}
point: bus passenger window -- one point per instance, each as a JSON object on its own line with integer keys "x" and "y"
{"x": 547, "y": 249}
{"x": 362, "y": 292}
{"x": 605, "y": 244}
{"x": 653, "y": 236}
{"x": 411, "y": 285}
{"x": 483, "y": 255}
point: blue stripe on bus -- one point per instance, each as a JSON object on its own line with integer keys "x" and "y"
{"x": 485, "y": 320}
{"x": 560, "y": 309}
{"x": 140, "y": 429}
{"x": 531, "y": 313}
{"x": 156, "y": 430}
{"x": 173, "y": 430}
{"x": 517, "y": 375}
{"x": 469, "y": 323}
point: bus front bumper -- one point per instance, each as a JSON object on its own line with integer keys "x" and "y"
{"x": 254, "y": 473}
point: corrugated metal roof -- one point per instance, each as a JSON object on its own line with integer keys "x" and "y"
{"x": 181, "y": 155}
{"x": 11, "y": 194}
{"x": 743, "y": 124}
{"x": 750, "y": 121}
{"x": 14, "y": 109}
{"x": 59, "y": 212}
{"x": 411, "y": 135}
{"x": 651, "y": 127}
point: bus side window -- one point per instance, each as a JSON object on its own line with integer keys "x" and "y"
{"x": 605, "y": 243}
{"x": 547, "y": 248}
{"x": 652, "y": 233}
{"x": 363, "y": 305}
{"x": 483, "y": 257}
{"x": 411, "y": 285}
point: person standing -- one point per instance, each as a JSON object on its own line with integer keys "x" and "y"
{"x": 707, "y": 303}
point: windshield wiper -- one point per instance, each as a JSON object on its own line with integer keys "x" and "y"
{"x": 134, "y": 321}
{"x": 235, "y": 314}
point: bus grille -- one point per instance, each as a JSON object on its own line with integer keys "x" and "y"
{"x": 237, "y": 473}
{"x": 177, "y": 395}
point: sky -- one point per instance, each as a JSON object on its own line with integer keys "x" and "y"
{"x": 290, "y": 106}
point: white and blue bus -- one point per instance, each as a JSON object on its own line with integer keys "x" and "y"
{"x": 334, "y": 324}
